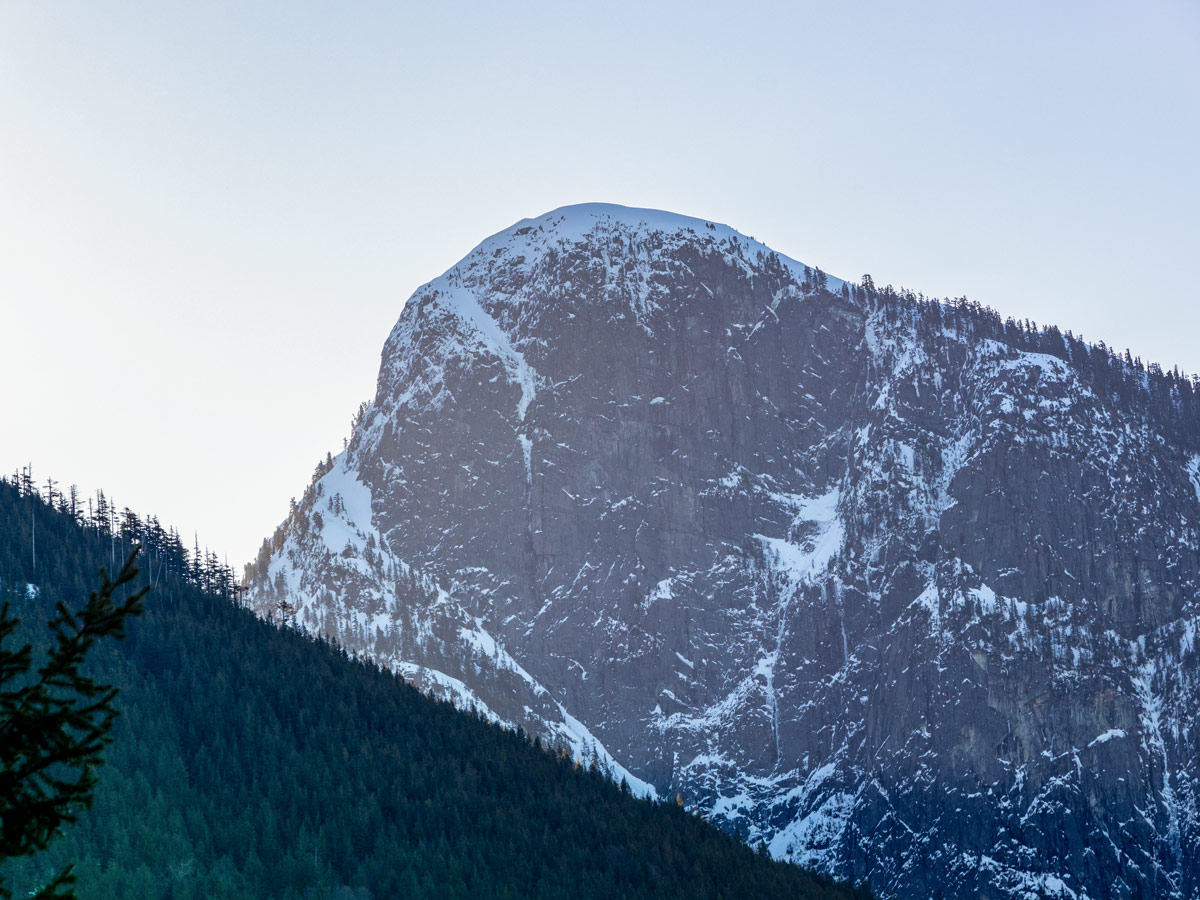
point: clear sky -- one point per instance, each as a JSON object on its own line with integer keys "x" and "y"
{"x": 212, "y": 213}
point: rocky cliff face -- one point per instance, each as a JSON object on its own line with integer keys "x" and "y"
{"x": 862, "y": 577}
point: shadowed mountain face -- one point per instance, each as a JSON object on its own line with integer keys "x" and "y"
{"x": 851, "y": 572}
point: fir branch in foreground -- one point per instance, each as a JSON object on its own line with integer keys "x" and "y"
{"x": 55, "y": 724}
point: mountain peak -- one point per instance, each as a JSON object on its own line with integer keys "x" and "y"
{"x": 592, "y": 222}
{"x": 581, "y": 219}
{"x": 827, "y": 565}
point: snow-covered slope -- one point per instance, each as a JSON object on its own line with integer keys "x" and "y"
{"x": 850, "y": 572}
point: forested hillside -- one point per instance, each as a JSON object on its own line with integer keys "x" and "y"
{"x": 252, "y": 762}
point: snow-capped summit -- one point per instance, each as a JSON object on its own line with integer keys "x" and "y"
{"x": 594, "y": 222}
{"x": 902, "y": 591}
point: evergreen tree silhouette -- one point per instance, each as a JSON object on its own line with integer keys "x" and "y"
{"x": 55, "y": 723}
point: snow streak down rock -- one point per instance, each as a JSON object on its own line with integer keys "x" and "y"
{"x": 901, "y": 601}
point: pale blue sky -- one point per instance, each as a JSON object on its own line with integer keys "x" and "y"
{"x": 211, "y": 213}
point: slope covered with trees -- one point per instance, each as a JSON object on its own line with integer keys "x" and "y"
{"x": 254, "y": 762}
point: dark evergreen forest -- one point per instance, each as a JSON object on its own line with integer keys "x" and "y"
{"x": 252, "y": 762}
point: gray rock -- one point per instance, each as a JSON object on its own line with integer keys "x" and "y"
{"x": 900, "y": 600}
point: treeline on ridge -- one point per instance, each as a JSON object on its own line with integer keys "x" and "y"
{"x": 1167, "y": 397}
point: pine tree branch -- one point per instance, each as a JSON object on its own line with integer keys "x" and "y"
{"x": 55, "y": 726}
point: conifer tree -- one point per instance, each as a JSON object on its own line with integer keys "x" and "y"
{"x": 55, "y": 722}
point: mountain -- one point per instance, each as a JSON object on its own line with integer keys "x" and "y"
{"x": 906, "y": 592}
{"x": 250, "y": 761}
